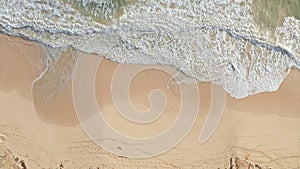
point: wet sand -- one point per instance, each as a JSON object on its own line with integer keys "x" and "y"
{"x": 40, "y": 130}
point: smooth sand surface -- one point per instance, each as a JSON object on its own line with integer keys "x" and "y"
{"x": 39, "y": 128}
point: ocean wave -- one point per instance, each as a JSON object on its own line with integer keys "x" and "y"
{"x": 211, "y": 41}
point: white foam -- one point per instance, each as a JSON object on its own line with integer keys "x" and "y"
{"x": 214, "y": 41}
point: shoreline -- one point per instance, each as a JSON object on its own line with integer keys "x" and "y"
{"x": 260, "y": 130}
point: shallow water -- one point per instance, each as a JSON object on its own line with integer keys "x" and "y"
{"x": 271, "y": 13}
{"x": 211, "y": 41}
{"x": 103, "y": 11}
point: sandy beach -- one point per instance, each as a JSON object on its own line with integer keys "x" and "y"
{"x": 39, "y": 127}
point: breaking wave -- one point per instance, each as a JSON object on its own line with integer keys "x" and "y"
{"x": 214, "y": 41}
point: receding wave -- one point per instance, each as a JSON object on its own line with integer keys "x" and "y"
{"x": 212, "y": 41}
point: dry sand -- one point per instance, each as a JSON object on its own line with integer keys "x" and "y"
{"x": 260, "y": 131}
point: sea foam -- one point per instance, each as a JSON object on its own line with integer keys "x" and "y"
{"x": 211, "y": 41}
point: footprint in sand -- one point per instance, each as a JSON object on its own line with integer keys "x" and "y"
{"x": 2, "y": 138}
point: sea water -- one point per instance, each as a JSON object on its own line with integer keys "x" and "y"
{"x": 214, "y": 41}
